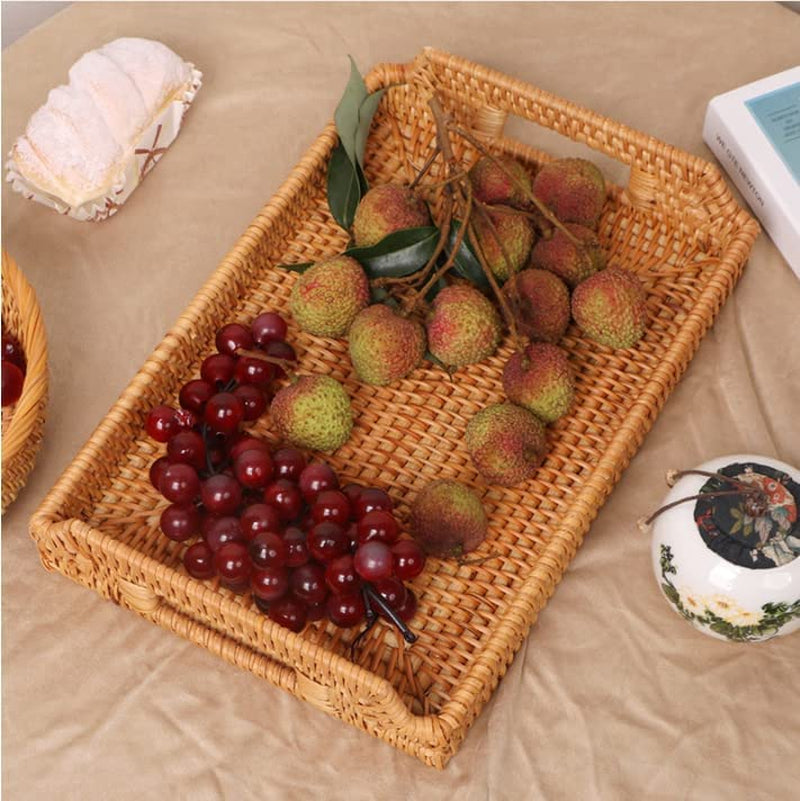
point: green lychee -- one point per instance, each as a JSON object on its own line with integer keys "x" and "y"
{"x": 540, "y": 379}
{"x": 327, "y": 297}
{"x": 500, "y": 179}
{"x": 384, "y": 346}
{"x": 610, "y": 308}
{"x": 386, "y": 209}
{"x": 570, "y": 262}
{"x": 448, "y": 519}
{"x": 539, "y": 301}
{"x": 313, "y": 412}
{"x": 505, "y": 237}
{"x": 573, "y": 189}
{"x": 507, "y": 443}
{"x": 463, "y": 326}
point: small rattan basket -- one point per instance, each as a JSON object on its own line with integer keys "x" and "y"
{"x": 23, "y": 423}
{"x": 675, "y": 223}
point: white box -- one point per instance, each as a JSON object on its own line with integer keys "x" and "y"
{"x": 754, "y": 131}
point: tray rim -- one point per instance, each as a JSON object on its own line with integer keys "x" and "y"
{"x": 443, "y": 731}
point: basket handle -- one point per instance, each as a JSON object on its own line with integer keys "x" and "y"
{"x": 345, "y": 692}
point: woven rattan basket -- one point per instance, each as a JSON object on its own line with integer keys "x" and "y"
{"x": 675, "y": 224}
{"x": 23, "y": 423}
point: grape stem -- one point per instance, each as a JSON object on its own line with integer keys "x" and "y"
{"x": 375, "y": 597}
{"x": 372, "y": 619}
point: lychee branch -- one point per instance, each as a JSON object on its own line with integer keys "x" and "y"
{"x": 527, "y": 193}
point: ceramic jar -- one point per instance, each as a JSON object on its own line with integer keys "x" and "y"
{"x": 729, "y": 561}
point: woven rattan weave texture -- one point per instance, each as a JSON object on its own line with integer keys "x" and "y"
{"x": 675, "y": 224}
{"x": 23, "y": 423}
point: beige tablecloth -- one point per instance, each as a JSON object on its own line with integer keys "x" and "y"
{"x": 612, "y": 696}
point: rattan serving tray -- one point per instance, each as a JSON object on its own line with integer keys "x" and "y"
{"x": 675, "y": 224}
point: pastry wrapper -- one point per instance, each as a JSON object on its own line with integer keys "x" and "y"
{"x": 145, "y": 154}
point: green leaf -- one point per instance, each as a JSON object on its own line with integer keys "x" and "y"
{"x": 344, "y": 187}
{"x": 381, "y": 295}
{"x": 671, "y": 593}
{"x": 346, "y": 115}
{"x": 466, "y": 263}
{"x": 365, "y": 114}
{"x": 297, "y": 268}
{"x": 398, "y": 254}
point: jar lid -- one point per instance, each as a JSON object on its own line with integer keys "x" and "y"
{"x": 754, "y": 530}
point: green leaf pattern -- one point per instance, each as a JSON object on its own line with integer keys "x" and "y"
{"x": 773, "y": 615}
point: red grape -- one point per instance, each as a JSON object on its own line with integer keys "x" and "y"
{"x": 259, "y": 517}
{"x": 372, "y": 500}
{"x": 233, "y": 563}
{"x": 253, "y": 401}
{"x": 345, "y": 610}
{"x": 267, "y": 549}
{"x": 253, "y": 468}
{"x": 223, "y": 412}
{"x": 315, "y": 478}
{"x": 408, "y": 608}
{"x": 233, "y": 336}
{"x": 378, "y": 525}
{"x": 157, "y": 471}
{"x": 289, "y": 612}
{"x": 285, "y": 497}
{"x": 409, "y": 560}
{"x": 161, "y": 423}
{"x": 326, "y": 541}
{"x": 13, "y": 380}
{"x": 269, "y": 583}
{"x": 268, "y": 327}
{"x": 218, "y": 368}
{"x": 244, "y": 442}
{"x": 333, "y": 506}
{"x": 373, "y": 561}
{"x": 187, "y": 447}
{"x": 180, "y": 483}
{"x": 199, "y": 561}
{"x": 195, "y": 394}
{"x": 296, "y": 548}
{"x": 289, "y": 463}
{"x": 221, "y": 530}
{"x": 179, "y": 522}
{"x": 341, "y": 576}
{"x": 316, "y": 611}
{"x": 13, "y": 352}
{"x": 352, "y": 491}
{"x": 257, "y": 372}
{"x": 280, "y": 350}
{"x": 392, "y": 591}
{"x": 221, "y": 494}
{"x": 308, "y": 583}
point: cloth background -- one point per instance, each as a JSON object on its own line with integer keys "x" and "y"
{"x": 612, "y": 695}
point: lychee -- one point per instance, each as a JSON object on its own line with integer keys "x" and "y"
{"x": 573, "y": 189}
{"x": 448, "y": 519}
{"x": 327, "y": 297}
{"x": 505, "y": 238}
{"x": 507, "y": 443}
{"x": 570, "y": 262}
{"x": 540, "y": 379}
{"x": 385, "y": 209}
{"x": 463, "y": 326}
{"x": 539, "y": 301}
{"x": 610, "y": 308}
{"x": 384, "y": 346}
{"x": 500, "y": 179}
{"x": 313, "y": 412}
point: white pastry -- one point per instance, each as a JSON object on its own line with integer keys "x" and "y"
{"x": 80, "y": 145}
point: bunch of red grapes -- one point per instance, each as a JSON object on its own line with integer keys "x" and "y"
{"x": 14, "y": 368}
{"x": 268, "y": 520}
